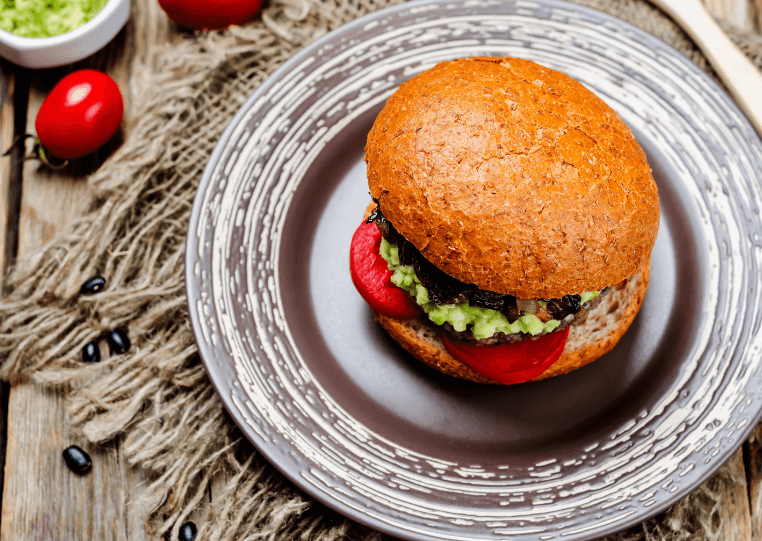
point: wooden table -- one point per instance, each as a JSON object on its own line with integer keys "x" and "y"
{"x": 41, "y": 499}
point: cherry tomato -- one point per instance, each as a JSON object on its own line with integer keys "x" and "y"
{"x": 200, "y": 14}
{"x": 372, "y": 277}
{"x": 510, "y": 363}
{"x": 80, "y": 114}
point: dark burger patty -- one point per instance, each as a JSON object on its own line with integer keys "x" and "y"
{"x": 444, "y": 289}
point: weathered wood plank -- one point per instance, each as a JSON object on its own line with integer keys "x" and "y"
{"x": 8, "y": 212}
{"x": 753, "y": 451}
{"x": 15, "y": 90}
{"x": 42, "y": 499}
{"x": 734, "y": 514}
{"x": 7, "y": 94}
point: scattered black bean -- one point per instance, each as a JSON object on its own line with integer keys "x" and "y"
{"x": 77, "y": 459}
{"x": 118, "y": 341}
{"x": 91, "y": 353}
{"x": 93, "y": 285}
{"x": 187, "y": 532}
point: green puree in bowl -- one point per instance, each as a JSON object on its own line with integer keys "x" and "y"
{"x": 46, "y": 18}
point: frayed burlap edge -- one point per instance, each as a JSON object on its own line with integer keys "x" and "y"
{"x": 157, "y": 397}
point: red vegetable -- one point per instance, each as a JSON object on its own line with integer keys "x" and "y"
{"x": 372, "y": 277}
{"x": 80, "y": 114}
{"x": 200, "y": 14}
{"x": 505, "y": 363}
{"x": 510, "y": 363}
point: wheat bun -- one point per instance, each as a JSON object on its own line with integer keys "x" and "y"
{"x": 513, "y": 177}
{"x": 596, "y": 333}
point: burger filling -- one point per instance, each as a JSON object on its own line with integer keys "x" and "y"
{"x": 466, "y": 311}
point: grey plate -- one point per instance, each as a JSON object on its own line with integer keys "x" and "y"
{"x": 356, "y": 423}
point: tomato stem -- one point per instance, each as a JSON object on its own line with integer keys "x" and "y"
{"x": 52, "y": 162}
{"x": 38, "y": 152}
{"x": 18, "y": 140}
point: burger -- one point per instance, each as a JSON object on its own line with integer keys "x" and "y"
{"x": 511, "y": 225}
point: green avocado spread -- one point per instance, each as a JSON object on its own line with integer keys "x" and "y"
{"x": 46, "y": 18}
{"x": 483, "y": 322}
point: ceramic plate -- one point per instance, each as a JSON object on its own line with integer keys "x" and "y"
{"x": 360, "y": 426}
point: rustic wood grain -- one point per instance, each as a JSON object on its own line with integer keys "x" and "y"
{"x": 753, "y": 453}
{"x": 8, "y": 170}
{"x": 16, "y": 95}
{"x": 42, "y": 499}
{"x": 7, "y": 87}
{"x": 733, "y": 513}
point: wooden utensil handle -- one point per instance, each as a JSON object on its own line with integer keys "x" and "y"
{"x": 741, "y": 77}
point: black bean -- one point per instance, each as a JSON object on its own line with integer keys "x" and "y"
{"x": 187, "y": 532}
{"x": 91, "y": 353}
{"x": 77, "y": 459}
{"x": 560, "y": 308}
{"x": 574, "y": 302}
{"x": 93, "y": 285}
{"x": 118, "y": 341}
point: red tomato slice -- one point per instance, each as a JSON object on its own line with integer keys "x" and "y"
{"x": 372, "y": 277}
{"x": 510, "y": 363}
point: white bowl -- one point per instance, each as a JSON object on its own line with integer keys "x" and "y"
{"x": 69, "y": 47}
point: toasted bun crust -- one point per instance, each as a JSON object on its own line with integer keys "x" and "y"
{"x": 595, "y": 334}
{"x": 513, "y": 177}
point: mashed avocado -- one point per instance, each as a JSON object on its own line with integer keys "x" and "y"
{"x": 483, "y": 321}
{"x": 46, "y": 18}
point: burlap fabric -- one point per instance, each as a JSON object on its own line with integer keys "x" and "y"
{"x": 157, "y": 397}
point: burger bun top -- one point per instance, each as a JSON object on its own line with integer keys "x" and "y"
{"x": 513, "y": 177}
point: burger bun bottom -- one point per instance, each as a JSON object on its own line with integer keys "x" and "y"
{"x": 595, "y": 334}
